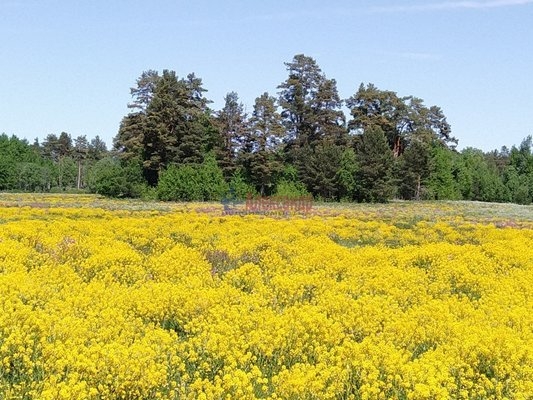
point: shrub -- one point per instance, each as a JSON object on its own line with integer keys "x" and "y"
{"x": 110, "y": 178}
{"x": 180, "y": 183}
{"x": 290, "y": 189}
{"x": 239, "y": 188}
{"x": 214, "y": 187}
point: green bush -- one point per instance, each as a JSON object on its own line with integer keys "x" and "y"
{"x": 290, "y": 189}
{"x": 149, "y": 193}
{"x": 212, "y": 179}
{"x": 192, "y": 182}
{"x": 183, "y": 183}
{"x": 110, "y": 178}
{"x": 239, "y": 188}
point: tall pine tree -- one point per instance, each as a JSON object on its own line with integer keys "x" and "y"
{"x": 375, "y": 167}
{"x": 261, "y": 152}
{"x": 315, "y": 124}
{"x": 231, "y": 123}
{"x": 170, "y": 126}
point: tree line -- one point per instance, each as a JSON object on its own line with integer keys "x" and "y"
{"x": 173, "y": 146}
{"x": 58, "y": 163}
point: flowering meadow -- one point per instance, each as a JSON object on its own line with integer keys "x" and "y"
{"x": 107, "y": 299}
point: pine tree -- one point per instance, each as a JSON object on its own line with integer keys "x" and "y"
{"x": 322, "y": 165}
{"x": 414, "y": 170}
{"x": 97, "y": 149}
{"x": 231, "y": 122}
{"x": 315, "y": 124}
{"x": 58, "y": 150}
{"x": 375, "y": 167}
{"x": 260, "y": 154}
{"x": 296, "y": 96}
{"x": 81, "y": 153}
{"x": 171, "y": 125}
{"x": 402, "y": 119}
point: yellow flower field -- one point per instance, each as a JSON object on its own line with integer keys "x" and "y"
{"x": 117, "y": 299}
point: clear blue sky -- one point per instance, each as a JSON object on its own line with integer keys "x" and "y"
{"x": 67, "y": 65}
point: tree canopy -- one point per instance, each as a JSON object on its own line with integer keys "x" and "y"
{"x": 172, "y": 145}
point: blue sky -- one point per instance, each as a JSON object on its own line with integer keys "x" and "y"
{"x": 67, "y": 65}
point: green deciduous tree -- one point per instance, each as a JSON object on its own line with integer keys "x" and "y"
{"x": 193, "y": 182}
{"x": 518, "y": 176}
{"x": 441, "y": 183}
{"x": 288, "y": 185}
{"x": 115, "y": 178}
{"x": 477, "y": 179}
{"x": 214, "y": 186}
{"x": 521, "y": 158}
{"x": 32, "y": 177}
{"x": 347, "y": 175}
{"x": 180, "y": 183}
{"x": 12, "y": 152}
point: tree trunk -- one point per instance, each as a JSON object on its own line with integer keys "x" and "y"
{"x": 418, "y": 188}
{"x": 79, "y": 175}
{"x": 397, "y": 149}
{"x": 60, "y": 170}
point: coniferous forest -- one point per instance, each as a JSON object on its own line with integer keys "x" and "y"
{"x": 296, "y": 141}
